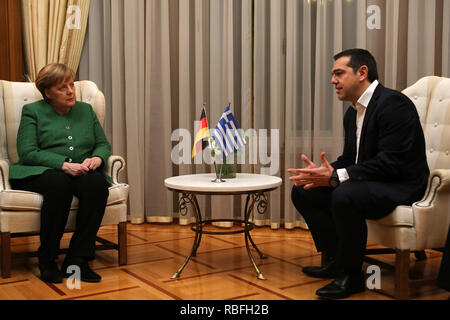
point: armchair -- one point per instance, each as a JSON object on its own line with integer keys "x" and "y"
{"x": 20, "y": 210}
{"x": 425, "y": 224}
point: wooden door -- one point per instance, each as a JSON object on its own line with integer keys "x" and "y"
{"x": 11, "y": 57}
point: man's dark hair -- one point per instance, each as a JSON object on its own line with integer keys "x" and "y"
{"x": 359, "y": 58}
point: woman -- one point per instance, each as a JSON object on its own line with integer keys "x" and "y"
{"x": 62, "y": 149}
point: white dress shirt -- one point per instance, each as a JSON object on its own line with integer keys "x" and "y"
{"x": 360, "y": 107}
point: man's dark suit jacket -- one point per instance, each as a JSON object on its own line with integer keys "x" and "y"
{"x": 391, "y": 159}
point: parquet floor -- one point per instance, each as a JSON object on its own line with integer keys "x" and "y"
{"x": 221, "y": 270}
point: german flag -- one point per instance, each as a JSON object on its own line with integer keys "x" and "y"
{"x": 202, "y": 135}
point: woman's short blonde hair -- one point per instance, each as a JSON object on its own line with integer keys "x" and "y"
{"x": 53, "y": 74}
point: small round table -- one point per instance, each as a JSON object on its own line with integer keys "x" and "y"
{"x": 254, "y": 186}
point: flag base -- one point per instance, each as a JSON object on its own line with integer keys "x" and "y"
{"x": 218, "y": 180}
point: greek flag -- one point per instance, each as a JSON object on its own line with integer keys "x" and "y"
{"x": 227, "y": 134}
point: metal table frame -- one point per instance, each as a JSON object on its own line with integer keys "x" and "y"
{"x": 254, "y": 197}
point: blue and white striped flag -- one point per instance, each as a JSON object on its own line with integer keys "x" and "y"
{"x": 227, "y": 134}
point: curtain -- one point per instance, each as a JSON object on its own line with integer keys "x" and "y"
{"x": 160, "y": 61}
{"x": 295, "y": 42}
{"x": 166, "y": 59}
{"x": 53, "y": 31}
{"x": 95, "y": 60}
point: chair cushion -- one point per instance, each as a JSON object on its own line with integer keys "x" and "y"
{"x": 29, "y": 221}
{"x": 19, "y": 200}
{"x": 402, "y": 216}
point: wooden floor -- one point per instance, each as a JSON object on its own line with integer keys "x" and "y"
{"x": 221, "y": 270}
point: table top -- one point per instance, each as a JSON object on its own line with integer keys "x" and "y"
{"x": 243, "y": 183}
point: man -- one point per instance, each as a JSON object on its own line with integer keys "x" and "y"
{"x": 383, "y": 165}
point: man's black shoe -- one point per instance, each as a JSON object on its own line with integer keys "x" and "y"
{"x": 50, "y": 272}
{"x": 343, "y": 287}
{"x": 86, "y": 273}
{"x": 329, "y": 270}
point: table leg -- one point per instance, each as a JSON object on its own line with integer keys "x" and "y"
{"x": 199, "y": 224}
{"x": 248, "y": 210}
{"x": 192, "y": 200}
{"x": 261, "y": 255}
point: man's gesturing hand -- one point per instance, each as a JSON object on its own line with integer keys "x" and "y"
{"x": 312, "y": 176}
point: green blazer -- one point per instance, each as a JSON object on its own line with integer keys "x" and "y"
{"x": 46, "y": 139}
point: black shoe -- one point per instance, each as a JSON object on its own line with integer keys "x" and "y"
{"x": 86, "y": 273}
{"x": 343, "y": 287}
{"x": 330, "y": 270}
{"x": 50, "y": 272}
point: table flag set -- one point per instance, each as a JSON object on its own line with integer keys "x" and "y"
{"x": 226, "y": 138}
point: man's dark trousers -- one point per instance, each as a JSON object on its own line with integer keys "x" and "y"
{"x": 336, "y": 219}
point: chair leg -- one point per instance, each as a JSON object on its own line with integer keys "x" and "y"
{"x": 122, "y": 243}
{"x": 5, "y": 243}
{"x": 401, "y": 274}
{"x": 420, "y": 255}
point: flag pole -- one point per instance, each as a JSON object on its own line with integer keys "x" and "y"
{"x": 218, "y": 178}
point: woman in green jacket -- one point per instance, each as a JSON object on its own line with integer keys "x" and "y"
{"x": 62, "y": 149}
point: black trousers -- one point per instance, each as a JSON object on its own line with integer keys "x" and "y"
{"x": 58, "y": 190}
{"x": 337, "y": 219}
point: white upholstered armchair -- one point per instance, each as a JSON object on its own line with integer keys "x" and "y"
{"x": 425, "y": 224}
{"x": 20, "y": 210}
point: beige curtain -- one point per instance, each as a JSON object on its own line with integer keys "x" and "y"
{"x": 95, "y": 61}
{"x": 166, "y": 59}
{"x": 159, "y": 61}
{"x": 53, "y": 31}
{"x": 296, "y": 40}
{"x": 413, "y": 42}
